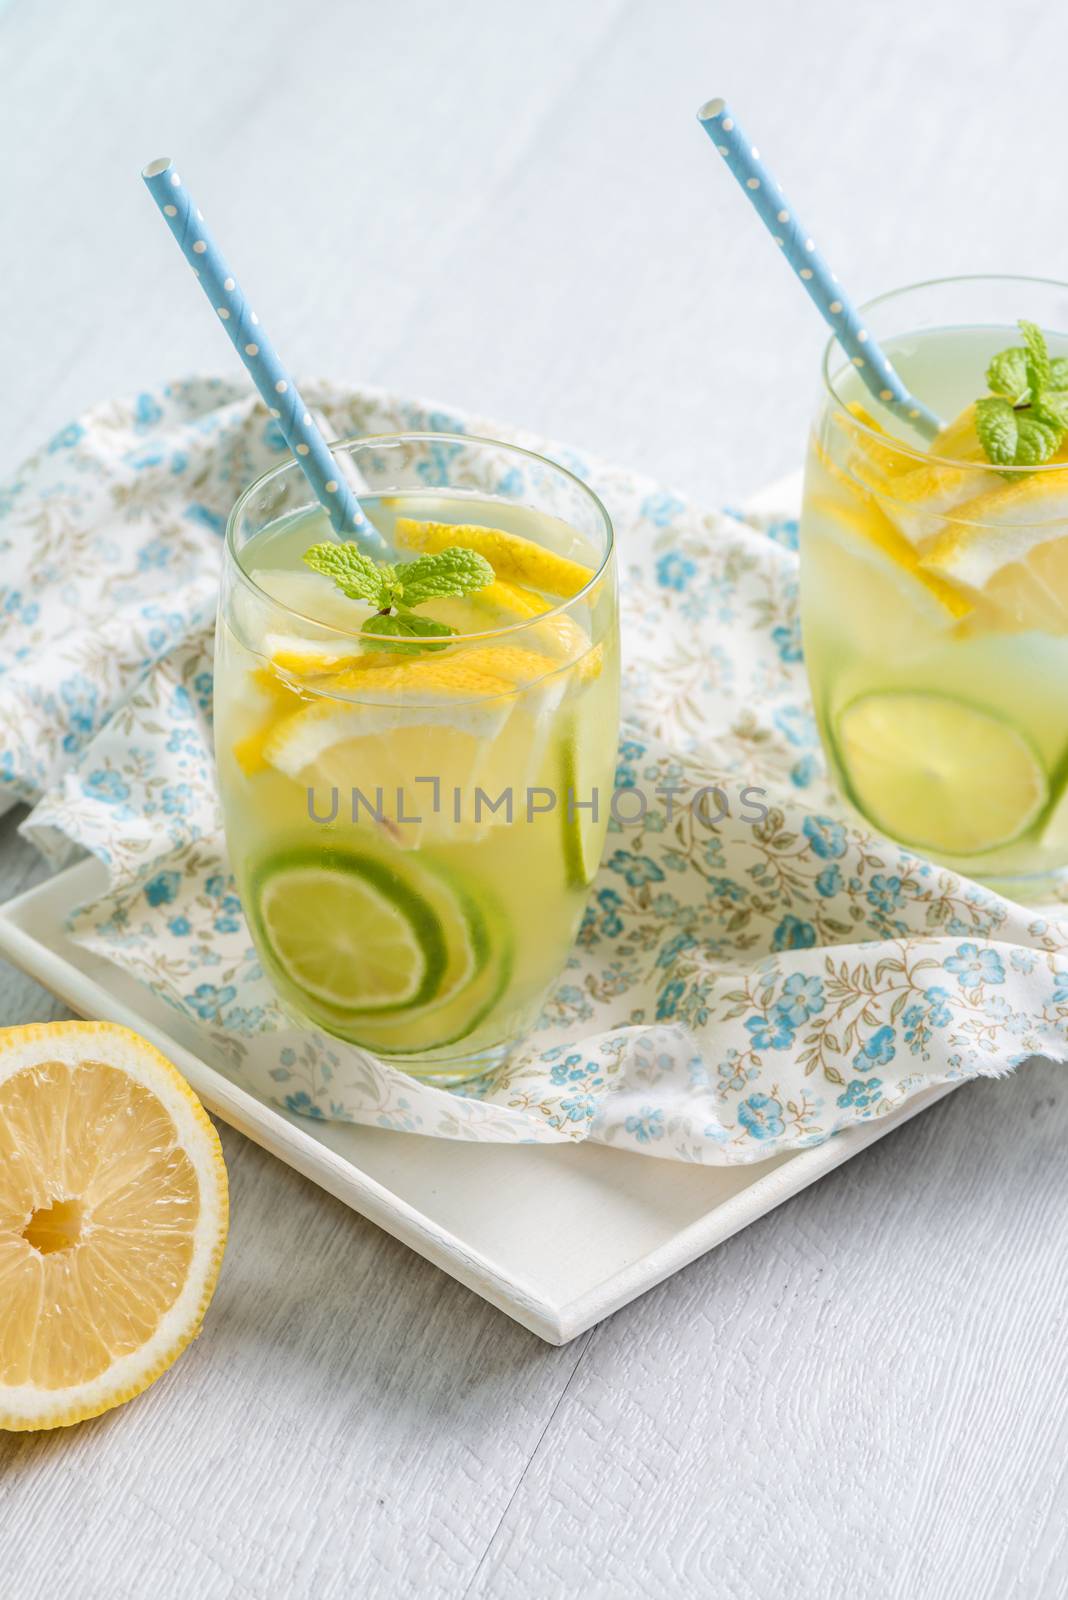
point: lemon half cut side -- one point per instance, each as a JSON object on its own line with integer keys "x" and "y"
{"x": 113, "y": 1219}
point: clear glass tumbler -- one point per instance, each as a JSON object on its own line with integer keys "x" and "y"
{"x": 412, "y": 823}
{"x": 935, "y": 593}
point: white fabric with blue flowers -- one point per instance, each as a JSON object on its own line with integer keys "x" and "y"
{"x": 738, "y": 987}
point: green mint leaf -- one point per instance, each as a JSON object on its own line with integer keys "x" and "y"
{"x": 1037, "y": 440}
{"x": 1023, "y": 422}
{"x": 1038, "y": 362}
{"x": 354, "y": 573}
{"x": 1007, "y": 375}
{"x": 1051, "y": 407}
{"x": 450, "y": 573}
{"x": 998, "y": 430}
{"x": 406, "y": 631}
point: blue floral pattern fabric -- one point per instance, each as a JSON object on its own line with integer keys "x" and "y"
{"x": 754, "y": 970}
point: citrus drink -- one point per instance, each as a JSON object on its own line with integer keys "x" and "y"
{"x": 935, "y": 616}
{"x": 413, "y": 825}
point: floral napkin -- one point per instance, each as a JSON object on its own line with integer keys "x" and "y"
{"x": 753, "y": 971}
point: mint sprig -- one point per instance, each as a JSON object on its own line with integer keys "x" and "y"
{"x": 1022, "y": 421}
{"x": 395, "y": 590}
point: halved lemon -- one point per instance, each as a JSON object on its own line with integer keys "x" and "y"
{"x": 939, "y": 774}
{"x": 113, "y": 1219}
{"x": 513, "y": 559}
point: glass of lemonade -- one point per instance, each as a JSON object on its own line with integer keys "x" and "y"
{"x": 414, "y": 824}
{"x": 935, "y": 592}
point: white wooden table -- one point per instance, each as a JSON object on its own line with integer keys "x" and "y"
{"x": 507, "y": 204}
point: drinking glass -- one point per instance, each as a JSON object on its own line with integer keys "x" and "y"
{"x": 935, "y": 593}
{"x": 414, "y": 825}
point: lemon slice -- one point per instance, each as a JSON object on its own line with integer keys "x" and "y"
{"x": 348, "y": 932}
{"x": 874, "y": 455}
{"x": 458, "y": 690}
{"x": 513, "y": 559}
{"x": 999, "y": 528}
{"x": 915, "y": 494}
{"x": 270, "y": 698}
{"x": 309, "y": 658}
{"x": 858, "y": 516}
{"x": 939, "y": 774}
{"x": 423, "y": 730}
{"x": 113, "y": 1218}
{"x": 561, "y": 635}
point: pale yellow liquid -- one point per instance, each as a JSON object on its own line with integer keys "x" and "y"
{"x": 871, "y": 626}
{"x": 522, "y": 883}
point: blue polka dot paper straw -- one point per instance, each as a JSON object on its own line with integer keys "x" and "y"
{"x": 279, "y": 392}
{"x": 834, "y": 305}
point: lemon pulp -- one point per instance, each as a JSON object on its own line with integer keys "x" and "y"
{"x": 113, "y": 1215}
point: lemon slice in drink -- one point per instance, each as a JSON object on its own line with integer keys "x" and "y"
{"x": 309, "y": 658}
{"x": 113, "y": 1219}
{"x": 269, "y": 698}
{"x": 864, "y": 520}
{"x": 1010, "y": 525}
{"x": 560, "y": 634}
{"x": 349, "y": 932}
{"x": 513, "y": 559}
{"x": 915, "y": 493}
{"x": 938, "y": 774}
{"x": 416, "y": 720}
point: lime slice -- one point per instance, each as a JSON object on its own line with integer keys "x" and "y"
{"x": 468, "y": 948}
{"x": 583, "y": 835}
{"x": 447, "y": 1021}
{"x": 939, "y": 774}
{"x": 349, "y": 933}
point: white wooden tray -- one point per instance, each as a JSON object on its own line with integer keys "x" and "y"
{"x": 556, "y": 1236}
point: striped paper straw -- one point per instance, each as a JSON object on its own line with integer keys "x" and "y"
{"x": 280, "y": 394}
{"x": 830, "y": 299}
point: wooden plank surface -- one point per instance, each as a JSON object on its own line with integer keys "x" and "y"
{"x": 508, "y": 206}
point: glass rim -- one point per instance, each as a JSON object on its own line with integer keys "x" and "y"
{"x": 352, "y": 440}
{"x": 901, "y": 446}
